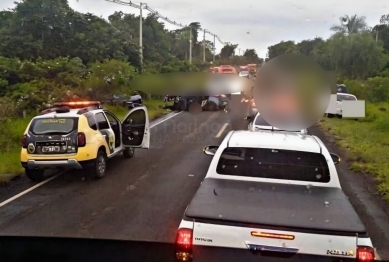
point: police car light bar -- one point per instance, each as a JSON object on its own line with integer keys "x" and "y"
{"x": 79, "y": 104}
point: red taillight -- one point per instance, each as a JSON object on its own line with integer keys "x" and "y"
{"x": 365, "y": 254}
{"x": 184, "y": 238}
{"x": 24, "y": 141}
{"x": 184, "y": 242}
{"x": 81, "y": 140}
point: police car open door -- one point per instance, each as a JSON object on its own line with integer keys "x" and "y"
{"x": 136, "y": 128}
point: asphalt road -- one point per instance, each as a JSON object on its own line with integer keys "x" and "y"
{"x": 143, "y": 198}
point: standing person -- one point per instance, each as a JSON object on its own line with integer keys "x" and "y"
{"x": 227, "y": 108}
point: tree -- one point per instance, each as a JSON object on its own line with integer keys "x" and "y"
{"x": 281, "y": 48}
{"x": 251, "y": 56}
{"x": 350, "y": 25}
{"x": 227, "y": 51}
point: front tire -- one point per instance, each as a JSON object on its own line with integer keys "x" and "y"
{"x": 35, "y": 175}
{"x": 99, "y": 166}
{"x": 129, "y": 152}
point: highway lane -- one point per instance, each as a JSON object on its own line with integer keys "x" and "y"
{"x": 142, "y": 198}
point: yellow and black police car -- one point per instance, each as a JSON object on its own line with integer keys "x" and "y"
{"x": 81, "y": 135}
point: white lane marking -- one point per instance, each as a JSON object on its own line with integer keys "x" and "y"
{"x": 221, "y": 130}
{"x": 30, "y": 189}
{"x": 163, "y": 120}
{"x": 60, "y": 173}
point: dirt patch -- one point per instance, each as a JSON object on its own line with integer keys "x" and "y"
{"x": 361, "y": 188}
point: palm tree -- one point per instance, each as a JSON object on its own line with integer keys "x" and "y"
{"x": 350, "y": 25}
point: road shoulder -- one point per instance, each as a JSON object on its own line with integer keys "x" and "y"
{"x": 361, "y": 190}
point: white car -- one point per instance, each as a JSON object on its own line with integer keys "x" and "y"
{"x": 341, "y": 97}
{"x": 258, "y": 123}
{"x": 271, "y": 196}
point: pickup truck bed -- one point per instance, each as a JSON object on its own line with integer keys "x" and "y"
{"x": 293, "y": 207}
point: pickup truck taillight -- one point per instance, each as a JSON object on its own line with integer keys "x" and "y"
{"x": 184, "y": 244}
{"x": 24, "y": 141}
{"x": 365, "y": 254}
{"x": 81, "y": 140}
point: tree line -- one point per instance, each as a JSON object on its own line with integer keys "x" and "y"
{"x": 357, "y": 52}
{"x": 49, "y": 51}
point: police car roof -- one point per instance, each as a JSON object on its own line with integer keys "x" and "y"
{"x": 275, "y": 140}
{"x": 71, "y": 113}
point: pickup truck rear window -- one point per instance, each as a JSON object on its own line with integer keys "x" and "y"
{"x": 274, "y": 164}
{"x": 45, "y": 126}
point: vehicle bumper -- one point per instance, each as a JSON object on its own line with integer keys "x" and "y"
{"x": 46, "y": 164}
{"x": 202, "y": 253}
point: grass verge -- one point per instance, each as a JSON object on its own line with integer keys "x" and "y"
{"x": 11, "y": 131}
{"x": 366, "y": 142}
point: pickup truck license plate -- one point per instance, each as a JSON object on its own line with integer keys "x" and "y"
{"x": 51, "y": 149}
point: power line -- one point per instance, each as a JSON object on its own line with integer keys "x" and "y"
{"x": 164, "y": 18}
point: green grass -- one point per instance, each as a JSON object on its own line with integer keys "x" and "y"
{"x": 366, "y": 141}
{"x": 11, "y": 132}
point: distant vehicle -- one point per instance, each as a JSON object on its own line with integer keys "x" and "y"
{"x": 226, "y": 70}
{"x": 341, "y": 88}
{"x": 134, "y": 101}
{"x": 342, "y": 97}
{"x": 252, "y": 69}
{"x": 271, "y": 196}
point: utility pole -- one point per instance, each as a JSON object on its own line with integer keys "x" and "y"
{"x": 141, "y": 37}
{"x": 204, "y": 46}
{"x": 214, "y": 47}
{"x": 190, "y": 44}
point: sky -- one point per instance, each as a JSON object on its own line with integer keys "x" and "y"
{"x": 250, "y": 24}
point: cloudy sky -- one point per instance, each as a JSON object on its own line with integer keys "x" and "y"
{"x": 248, "y": 23}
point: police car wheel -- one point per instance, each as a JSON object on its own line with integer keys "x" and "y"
{"x": 35, "y": 174}
{"x": 99, "y": 167}
{"x": 129, "y": 152}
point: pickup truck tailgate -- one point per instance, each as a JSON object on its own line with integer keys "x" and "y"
{"x": 286, "y": 220}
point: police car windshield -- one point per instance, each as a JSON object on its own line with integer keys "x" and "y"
{"x": 46, "y": 126}
{"x": 346, "y": 97}
{"x": 274, "y": 164}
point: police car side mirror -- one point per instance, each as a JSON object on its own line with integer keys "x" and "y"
{"x": 335, "y": 158}
{"x": 210, "y": 150}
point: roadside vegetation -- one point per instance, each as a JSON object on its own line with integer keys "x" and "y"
{"x": 49, "y": 53}
{"x": 359, "y": 54}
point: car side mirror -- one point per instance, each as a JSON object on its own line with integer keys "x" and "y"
{"x": 210, "y": 150}
{"x": 335, "y": 158}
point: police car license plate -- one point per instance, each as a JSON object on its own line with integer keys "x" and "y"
{"x": 51, "y": 149}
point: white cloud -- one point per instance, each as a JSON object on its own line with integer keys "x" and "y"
{"x": 267, "y": 21}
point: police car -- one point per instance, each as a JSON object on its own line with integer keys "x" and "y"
{"x": 81, "y": 135}
{"x": 258, "y": 123}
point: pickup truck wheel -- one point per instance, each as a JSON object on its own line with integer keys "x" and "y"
{"x": 99, "y": 166}
{"x": 339, "y": 116}
{"x": 35, "y": 175}
{"x": 129, "y": 152}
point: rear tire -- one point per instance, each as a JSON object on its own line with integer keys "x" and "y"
{"x": 99, "y": 166}
{"x": 35, "y": 175}
{"x": 129, "y": 152}
{"x": 212, "y": 106}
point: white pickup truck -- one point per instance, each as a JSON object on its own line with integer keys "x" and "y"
{"x": 271, "y": 196}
